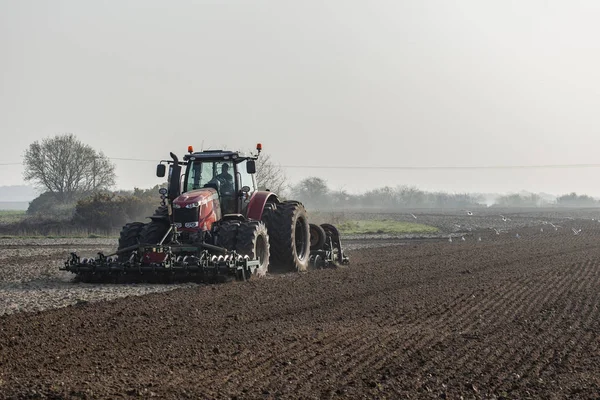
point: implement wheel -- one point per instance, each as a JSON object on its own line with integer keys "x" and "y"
{"x": 317, "y": 237}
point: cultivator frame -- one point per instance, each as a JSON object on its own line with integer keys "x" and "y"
{"x": 164, "y": 263}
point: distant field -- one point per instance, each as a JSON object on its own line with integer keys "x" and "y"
{"x": 9, "y": 216}
{"x": 384, "y": 226}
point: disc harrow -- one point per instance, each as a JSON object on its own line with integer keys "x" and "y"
{"x": 163, "y": 263}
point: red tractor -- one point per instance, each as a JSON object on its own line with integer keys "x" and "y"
{"x": 214, "y": 223}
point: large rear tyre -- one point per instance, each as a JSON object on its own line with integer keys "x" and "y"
{"x": 129, "y": 236}
{"x": 154, "y": 231}
{"x": 253, "y": 241}
{"x": 289, "y": 237}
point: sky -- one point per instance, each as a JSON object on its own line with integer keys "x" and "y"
{"x": 341, "y": 85}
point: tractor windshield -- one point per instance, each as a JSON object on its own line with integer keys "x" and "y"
{"x": 210, "y": 173}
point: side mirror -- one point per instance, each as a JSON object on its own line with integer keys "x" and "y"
{"x": 250, "y": 167}
{"x": 174, "y": 178}
{"x": 161, "y": 169}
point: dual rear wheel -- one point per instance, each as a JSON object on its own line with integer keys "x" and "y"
{"x": 289, "y": 236}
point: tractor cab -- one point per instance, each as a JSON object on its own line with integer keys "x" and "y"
{"x": 205, "y": 186}
{"x": 231, "y": 174}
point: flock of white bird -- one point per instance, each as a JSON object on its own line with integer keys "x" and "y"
{"x": 506, "y": 219}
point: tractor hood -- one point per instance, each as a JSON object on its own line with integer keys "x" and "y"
{"x": 197, "y": 209}
{"x": 198, "y": 197}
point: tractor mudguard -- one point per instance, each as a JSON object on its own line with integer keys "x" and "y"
{"x": 257, "y": 204}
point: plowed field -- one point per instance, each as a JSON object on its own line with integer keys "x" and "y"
{"x": 500, "y": 317}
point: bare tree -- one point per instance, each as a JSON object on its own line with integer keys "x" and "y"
{"x": 66, "y": 167}
{"x": 270, "y": 175}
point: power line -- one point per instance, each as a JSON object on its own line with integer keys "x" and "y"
{"x": 130, "y": 159}
{"x": 110, "y": 158}
{"x": 405, "y": 167}
{"x": 425, "y": 167}
{"x": 447, "y": 167}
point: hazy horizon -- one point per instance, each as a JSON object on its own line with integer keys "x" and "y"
{"x": 337, "y": 83}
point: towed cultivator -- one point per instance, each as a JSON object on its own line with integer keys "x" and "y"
{"x": 214, "y": 225}
{"x": 164, "y": 263}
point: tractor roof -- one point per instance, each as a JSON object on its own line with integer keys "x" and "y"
{"x": 215, "y": 155}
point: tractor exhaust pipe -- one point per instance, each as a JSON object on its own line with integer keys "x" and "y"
{"x": 174, "y": 178}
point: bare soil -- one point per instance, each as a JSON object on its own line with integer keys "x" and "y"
{"x": 510, "y": 316}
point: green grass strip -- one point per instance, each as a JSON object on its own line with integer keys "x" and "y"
{"x": 384, "y": 226}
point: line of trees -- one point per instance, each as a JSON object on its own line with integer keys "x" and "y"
{"x": 315, "y": 193}
{"x": 537, "y": 200}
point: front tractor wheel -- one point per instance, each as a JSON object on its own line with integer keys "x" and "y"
{"x": 154, "y": 232}
{"x": 129, "y": 236}
{"x": 227, "y": 233}
{"x": 289, "y": 237}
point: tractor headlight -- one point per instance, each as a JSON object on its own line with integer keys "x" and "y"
{"x": 175, "y": 205}
{"x": 193, "y": 205}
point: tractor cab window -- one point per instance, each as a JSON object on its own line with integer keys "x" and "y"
{"x": 217, "y": 174}
{"x": 244, "y": 177}
{"x": 198, "y": 175}
{"x": 224, "y": 174}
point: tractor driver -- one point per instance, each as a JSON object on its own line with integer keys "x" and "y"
{"x": 225, "y": 178}
{"x": 226, "y": 183}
